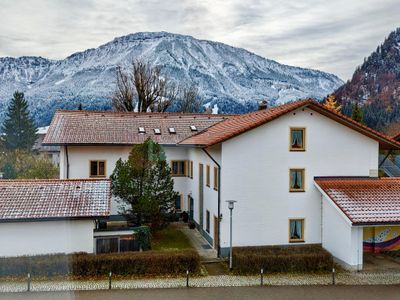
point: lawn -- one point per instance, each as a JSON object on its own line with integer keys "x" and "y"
{"x": 170, "y": 238}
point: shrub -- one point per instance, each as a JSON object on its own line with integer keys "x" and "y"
{"x": 144, "y": 237}
{"x": 82, "y": 264}
{"x": 300, "y": 258}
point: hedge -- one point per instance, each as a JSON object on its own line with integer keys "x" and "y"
{"x": 91, "y": 265}
{"x": 299, "y": 258}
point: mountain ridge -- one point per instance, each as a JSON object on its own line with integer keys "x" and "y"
{"x": 230, "y": 77}
{"x": 375, "y": 84}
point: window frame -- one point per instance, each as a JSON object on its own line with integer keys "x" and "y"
{"x": 208, "y": 181}
{"x": 184, "y": 168}
{"x": 97, "y": 175}
{"x": 180, "y": 203}
{"x": 302, "y": 239}
{"x": 216, "y": 179}
{"x": 303, "y": 177}
{"x": 303, "y": 129}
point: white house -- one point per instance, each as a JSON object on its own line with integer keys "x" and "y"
{"x": 51, "y": 216}
{"x": 51, "y": 153}
{"x": 266, "y": 160}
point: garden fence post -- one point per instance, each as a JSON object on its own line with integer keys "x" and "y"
{"x": 109, "y": 280}
{"x": 29, "y": 282}
{"x": 262, "y": 277}
{"x": 187, "y": 278}
{"x": 333, "y": 276}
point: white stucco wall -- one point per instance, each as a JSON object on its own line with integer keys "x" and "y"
{"x": 80, "y": 156}
{"x": 340, "y": 238}
{"x": 46, "y": 237}
{"x": 255, "y": 172}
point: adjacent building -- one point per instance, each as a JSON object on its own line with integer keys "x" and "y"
{"x": 51, "y": 216}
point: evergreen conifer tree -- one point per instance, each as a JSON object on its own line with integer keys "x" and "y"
{"x": 357, "y": 114}
{"x": 19, "y": 129}
{"x": 144, "y": 184}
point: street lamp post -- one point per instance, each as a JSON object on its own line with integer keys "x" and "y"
{"x": 231, "y": 205}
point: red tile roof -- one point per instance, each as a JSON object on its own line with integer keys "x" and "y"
{"x": 365, "y": 201}
{"x": 396, "y": 137}
{"x": 89, "y": 127}
{"x": 239, "y": 124}
{"x": 54, "y": 199}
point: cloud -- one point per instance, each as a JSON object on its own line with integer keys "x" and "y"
{"x": 332, "y": 36}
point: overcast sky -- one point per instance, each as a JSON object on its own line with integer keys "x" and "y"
{"x": 332, "y": 36}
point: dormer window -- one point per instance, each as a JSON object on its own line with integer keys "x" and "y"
{"x": 172, "y": 130}
{"x": 141, "y": 130}
{"x": 157, "y": 131}
{"x": 297, "y": 139}
{"x": 193, "y": 128}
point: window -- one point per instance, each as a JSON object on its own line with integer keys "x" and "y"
{"x": 216, "y": 178}
{"x": 193, "y": 128}
{"x": 172, "y": 130}
{"x": 141, "y": 130}
{"x": 107, "y": 245}
{"x": 297, "y": 139}
{"x": 178, "y": 202}
{"x": 296, "y": 180}
{"x": 116, "y": 244}
{"x": 178, "y": 168}
{"x": 296, "y": 230}
{"x": 208, "y": 221}
{"x": 97, "y": 168}
{"x": 208, "y": 175}
{"x": 157, "y": 131}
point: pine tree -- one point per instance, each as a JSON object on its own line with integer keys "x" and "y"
{"x": 80, "y": 106}
{"x": 144, "y": 183}
{"x": 18, "y": 128}
{"x": 357, "y": 114}
{"x": 331, "y": 103}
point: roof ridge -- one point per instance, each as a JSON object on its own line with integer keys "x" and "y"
{"x": 110, "y": 112}
{"x": 277, "y": 111}
{"x": 56, "y": 180}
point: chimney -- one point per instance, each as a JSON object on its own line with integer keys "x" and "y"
{"x": 263, "y": 104}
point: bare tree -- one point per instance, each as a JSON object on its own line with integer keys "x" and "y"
{"x": 171, "y": 94}
{"x": 123, "y": 97}
{"x": 190, "y": 100}
{"x": 144, "y": 88}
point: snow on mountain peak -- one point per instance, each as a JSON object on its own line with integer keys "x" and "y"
{"x": 233, "y": 78}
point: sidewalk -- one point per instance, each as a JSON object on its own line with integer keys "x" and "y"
{"x": 208, "y": 281}
{"x": 200, "y": 244}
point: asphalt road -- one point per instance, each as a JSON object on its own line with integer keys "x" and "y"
{"x": 284, "y": 292}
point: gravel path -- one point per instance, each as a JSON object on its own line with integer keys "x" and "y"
{"x": 208, "y": 281}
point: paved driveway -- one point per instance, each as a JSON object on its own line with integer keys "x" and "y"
{"x": 232, "y": 293}
{"x": 378, "y": 262}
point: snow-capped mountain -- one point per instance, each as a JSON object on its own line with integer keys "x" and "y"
{"x": 233, "y": 78}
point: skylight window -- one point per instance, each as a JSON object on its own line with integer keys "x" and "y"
{"x": 141, "y": 130}
{"x": 157, "y": 131}
{"x": 193, "y": 128}
{"x": 172, "y": 130}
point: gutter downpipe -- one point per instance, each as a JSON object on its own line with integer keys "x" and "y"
{"x": 219, "y": 201}
{"x": 66, "y": 154}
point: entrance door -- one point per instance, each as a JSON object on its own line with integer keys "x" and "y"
{"x": 190, "y": 206}
{"x": 215, "y": 232}
{"x": 201, "y": 195}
